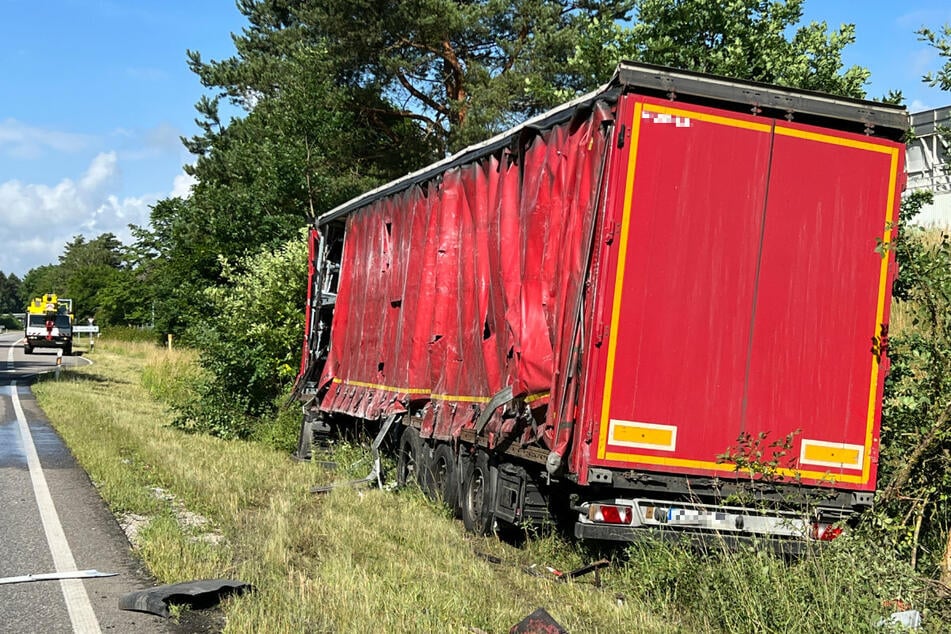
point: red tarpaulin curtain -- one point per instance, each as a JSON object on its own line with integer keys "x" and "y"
{"x": 455, "y": 288}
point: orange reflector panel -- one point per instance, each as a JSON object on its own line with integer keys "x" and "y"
{"x": 625, "y": 433}
{"x": 830, "y": 454}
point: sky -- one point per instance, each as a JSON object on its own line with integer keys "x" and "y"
{"x": 95, "y": 95}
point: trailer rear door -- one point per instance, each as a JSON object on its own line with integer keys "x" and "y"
{"x": 741, "y": 294}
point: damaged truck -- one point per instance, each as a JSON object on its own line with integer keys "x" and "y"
{"x": 660, "y": 308}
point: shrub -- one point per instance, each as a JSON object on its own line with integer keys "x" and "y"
{"x": 10, "y": 322}
{"x": 250, "y": 342}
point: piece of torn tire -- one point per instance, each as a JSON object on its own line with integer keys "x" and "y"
{"x": 198, "y": 595}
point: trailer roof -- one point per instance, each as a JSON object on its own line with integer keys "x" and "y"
{"x": 884, "y": 120}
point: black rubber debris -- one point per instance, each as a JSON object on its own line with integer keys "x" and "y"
{"x": 492, "y": 559}
{"x": 583, "y": 570}
{"x": 198, "y": 595}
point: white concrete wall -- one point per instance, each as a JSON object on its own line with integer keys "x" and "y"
{"x": 926, "y": 160}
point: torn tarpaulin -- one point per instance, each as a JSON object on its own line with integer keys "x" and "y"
{"x": 200, "y": 594}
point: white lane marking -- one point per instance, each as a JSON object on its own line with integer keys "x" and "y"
{"x": 80, "y": 610}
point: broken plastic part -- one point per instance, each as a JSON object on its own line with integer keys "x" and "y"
{"x": 200, "y": 594}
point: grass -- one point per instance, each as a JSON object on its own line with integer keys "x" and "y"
{"x": 351, "y": 561}
{"x": 370, "y": 560}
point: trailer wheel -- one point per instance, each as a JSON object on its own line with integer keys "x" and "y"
{"x": 441, "y": 481}
{"x": 478, "y": 496}
{"x": 408, "y": 458}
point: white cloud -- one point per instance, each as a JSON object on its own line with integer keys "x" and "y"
{"x": 36, "y": 221}
{"x": 103, "y": 173}
{"x": 182, "y": 187}
{"x": 22, "y": 141}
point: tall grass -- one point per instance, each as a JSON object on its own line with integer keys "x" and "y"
{"x": 131, "y": 333}
{"x": 365, "y": 560}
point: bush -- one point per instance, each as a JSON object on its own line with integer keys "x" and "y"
{"x": 130, "y": 333}
{"x": 915, "y": 465}
{"x": 250, "y": 345}
{"x": 10, "y": 322}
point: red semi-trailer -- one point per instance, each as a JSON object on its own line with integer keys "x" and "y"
{"x": 663, "y": 305}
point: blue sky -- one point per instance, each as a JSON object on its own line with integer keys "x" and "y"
{"x": 94, "y": 95}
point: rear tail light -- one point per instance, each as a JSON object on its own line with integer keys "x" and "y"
{"x": 825, "y": 532}
{"x": 611, "y": 513}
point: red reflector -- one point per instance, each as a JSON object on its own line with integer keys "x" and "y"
{"x": 825, "y": 532}
{"x": 611, "y": 514}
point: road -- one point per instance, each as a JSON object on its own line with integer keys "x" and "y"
{"x": 53, "y": 520}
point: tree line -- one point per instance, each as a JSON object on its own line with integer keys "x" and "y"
{"x": 325, "y": 99}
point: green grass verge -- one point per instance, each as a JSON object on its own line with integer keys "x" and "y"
{"x": 383, "y": 561}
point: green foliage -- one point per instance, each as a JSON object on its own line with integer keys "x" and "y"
{"x": 462, "y": 70}
{"x": 915, "y": 467}
{"x": 842, "y": 587}
{"x": 10, "y": 322}
{"x": 940, "y": 40}
{"x": 43, "y": 279}
{"x": 174, "y": 261}
{"x": 333, "y": 97}
{"x": 250, "y": 341}
{"x": 281, "y": 428}
{"x": 915, "y": 464}
{"x": 128, "y": 333}
{"x": 759, "y": 459}
{"x": 97, "y": 276}
{"x": 301, "y": 147}
{"x": 10, "y": 299}
{"x": 749, "y": 39}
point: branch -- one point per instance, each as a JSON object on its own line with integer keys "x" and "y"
{"x": 904, "y": 474}
{"x": 431, "y": 124}
{"x": 522, "y": 36}
{"x": 426, "y": 99}
{"x": 406, "y": 114}
{"x": 455, "y": 80}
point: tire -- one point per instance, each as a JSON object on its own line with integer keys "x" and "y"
{"x": 409, "y": 467}
{"x": 68, "y": 350}
{"x": 27, "y": 349}
{"x": 442, "y": 482}
{"x": 478, "y": 496}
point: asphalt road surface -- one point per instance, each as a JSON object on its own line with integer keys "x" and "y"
{"x": 52, "y": 520}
